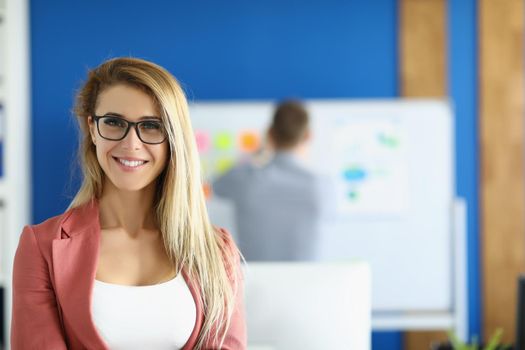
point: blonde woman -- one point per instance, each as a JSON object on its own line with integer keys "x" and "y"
{"x": 134, "y": 262}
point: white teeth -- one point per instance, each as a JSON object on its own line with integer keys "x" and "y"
{"x": 131, "y": 163}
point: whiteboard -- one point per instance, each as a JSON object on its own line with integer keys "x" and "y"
{"x": 392, "y": 163}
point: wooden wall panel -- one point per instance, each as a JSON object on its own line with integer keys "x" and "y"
{"x": 423, "y": 73}
{"x": 501, "y": 96}
{"x": 423, "y": 55}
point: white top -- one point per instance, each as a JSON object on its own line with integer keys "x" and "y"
{"x": 160, "y": 316}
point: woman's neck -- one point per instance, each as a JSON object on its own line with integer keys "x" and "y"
{"x": 129, "y": 210}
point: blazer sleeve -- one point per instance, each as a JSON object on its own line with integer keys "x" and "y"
{"x": 35, "y": 321}
{"x": 236, "y": 335}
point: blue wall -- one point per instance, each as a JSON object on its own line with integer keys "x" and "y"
{"x": 245, "y": 50}
{"x": 260, "y": 50}
{"x": 463, "y": 86}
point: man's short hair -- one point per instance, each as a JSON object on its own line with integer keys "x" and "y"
{"x": 290, "y": 124}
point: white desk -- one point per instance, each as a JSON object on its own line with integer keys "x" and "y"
{"x": 308, "y": 306}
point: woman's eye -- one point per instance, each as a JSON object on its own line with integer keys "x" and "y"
{"x": 110, "y": 121}
{"x": 151, "y": 125}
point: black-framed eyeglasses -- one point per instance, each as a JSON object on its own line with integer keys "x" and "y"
{"x": 115, "y": 128}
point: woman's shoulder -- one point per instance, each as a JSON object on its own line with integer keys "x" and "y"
{"x": 50, "y": 228}
{"x": 39, "y": 237}
{"x": 230, "y": 252}
{"x": 53, "y": 223}
{"x": 226, "y": 242}
{"x": 72, "y": 219}
{"x": 224, "y": 234}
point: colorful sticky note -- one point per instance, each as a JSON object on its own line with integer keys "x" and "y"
{"x": 206, "y": 187}
{"x": 249, "y": 141}
{"x": 203, "y": 141}
{"x": 223, "y": 141}
{"x": 224, "y": 164}
{"x": 205, "y": 167}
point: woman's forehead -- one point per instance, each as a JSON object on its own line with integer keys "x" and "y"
{"x": 125, "y": 100}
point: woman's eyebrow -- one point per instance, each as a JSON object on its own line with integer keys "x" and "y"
{"x": 148, "y": 117}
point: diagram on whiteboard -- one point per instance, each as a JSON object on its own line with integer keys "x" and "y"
{"x": 372, "y": 167}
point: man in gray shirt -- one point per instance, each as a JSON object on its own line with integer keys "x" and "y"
{"x": 279, "y": 204}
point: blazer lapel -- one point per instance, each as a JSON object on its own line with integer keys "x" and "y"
{"x": 75, "y": 259}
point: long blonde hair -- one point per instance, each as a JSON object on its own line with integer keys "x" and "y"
{"x": 190, "y": 240}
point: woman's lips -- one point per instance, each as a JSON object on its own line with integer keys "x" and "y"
{"x": 130, "y": 165}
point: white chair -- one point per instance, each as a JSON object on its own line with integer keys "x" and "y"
{"x": 308, "y": 306}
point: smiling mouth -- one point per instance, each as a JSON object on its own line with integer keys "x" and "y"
{"x": 131, "y": 163}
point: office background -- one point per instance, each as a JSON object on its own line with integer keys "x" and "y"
{"x": 240, "y": 50}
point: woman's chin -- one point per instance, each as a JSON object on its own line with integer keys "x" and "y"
{"x": 123, "y": 186}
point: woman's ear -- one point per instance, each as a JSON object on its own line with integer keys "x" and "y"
{"x": 91, "y": 126}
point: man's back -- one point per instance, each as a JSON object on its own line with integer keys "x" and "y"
{"x": 278, "y": 208}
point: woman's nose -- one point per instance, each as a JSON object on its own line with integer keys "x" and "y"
{"x": 132, "y": 140}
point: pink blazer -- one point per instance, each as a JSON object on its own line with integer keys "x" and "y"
{"x": 53, "y": 277}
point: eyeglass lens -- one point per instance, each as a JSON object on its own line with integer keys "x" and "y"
{"x": 114, "y": 128}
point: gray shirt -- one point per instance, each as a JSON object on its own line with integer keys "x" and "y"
{"x": 279, "y": 208}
